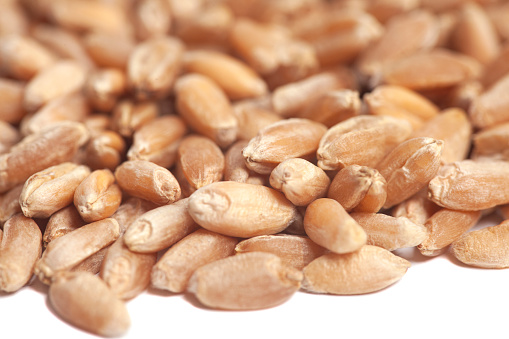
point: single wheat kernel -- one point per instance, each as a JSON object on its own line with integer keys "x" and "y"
{"x": 328, "y": 224}
{"x": 245, "y": 281}
{"x": 200, "y": 161}
{"x": 129, "y": 116}
{"x": 20, "y": 248}
{"x": 109, "y": 49}
{"x": 300, "y": 181}
{"x": 72, "y": 107}
{"x": 409, "y": 168}
{"x": 39, "y": 151}
{"x": 235, "y": 78}
{"x": 59, "y": 79}
{"x": 85, "y": 301}
{"x": 389, "y": 232}
{"x": 157, "y": 141}
{"x": 206, "y": 108}
{"x": 104, "y": 150}
{"x": 235, "y": 168}
{"x": 369, "y": 269}
{"x": 173, "y": 271}
{"x": 363, "y": 140}
{"x": 160, "y": 228}
{"x": 60, "y": 223}
{"x": 295, "y": 251}
{"x": 491, "y": 107}
{"x": 153, "y": 66}
{"x": 126, "y": 273}
{"x": 146, "y": 180}
{"x": 241, "y": 210}
{"x": 444, "y": 227}
{"x": 104, "y": 87}
{"x": 485, "y": 248}
{"x": 359, "y": 189}
{"x": 471, "y": 186}
{"x": 69, "y": 250}
{"x": 52, "y": 189}
{"x": 286, "y": 139}
{"x": 252, "y": 119}
{"x": 152, "y": 18}
{"x": 97, "y": 197}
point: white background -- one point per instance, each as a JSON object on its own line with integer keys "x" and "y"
{"x": 437, "y": 298}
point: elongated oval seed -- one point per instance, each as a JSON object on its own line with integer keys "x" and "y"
{"x": 85, "y": 301}
{"x": 446, "y": 226}
{"x": 363, "y": 140}
{"x": 295, "y": 251}
{"x": 60, "y": 223}
{"x": 37, "y": 152}
{"x": 126, "y": 273}
{"x": 369, "y": 269}
{"x": 389, "y": 232}
{"x": 97, "y": 197}
{"x": 241, "y": 210}
{"x": 146, "y": 180}
{"x": 245, "y": 282}
{"x": 52, "y": 189}
{"x": 486, "y": 248}
{"x": 291, "y": 138}
{"x": 300, "y": 181}
{"x": 410, "y": 167}
{"x": 206, "y": 109}
{"x": 328, "y": 224}
{"x": 20, "y": 248}
{"x": 153, "y": 67}
{"x": 471, "y": 186}
{"x": 160, "y": 228}
{"x": 69, "y": 250}
{"x": 173, "y": 271}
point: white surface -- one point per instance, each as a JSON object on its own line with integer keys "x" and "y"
{"x": 437, "y": 298}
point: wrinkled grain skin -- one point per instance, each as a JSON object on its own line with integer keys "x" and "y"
{"x": 291, "y": 138}
{"x": 328, "y": 224}
{"x": 160, "y": 228}
{"x": 20, "y": 248}
{"x": 206, "y": 109}
{"x": 485, "y": 248}
{"x": 359, "y": 189}
{"x": 153, "y": 66}
{"x": 173, "y": 271}
{"x": 389, "y": 232}
{"x": 236, "y": 79}
{"x": 97, "y": 197}
{"x": 52, "y": 189}
{"x": 126, "y": 273}
{"x": 235, "y": 168}
{"x": 362, "y": 140}
{"x": 491, "y": 107}
{"x": 453, "y": 127}
{"x": 444, "y": 227}
{"x": 129, "y": 116}
{"x": 471, "y": 186}
{"x": 85, "y": 301}
{"x": 410, "y": 167}
{"x": 418, "y": 208}
{"x": 246, "y": 281}
{"x": 368, "y": 270}
{"x": 300, "y": 181}
{"x": 62, "y": 78}
{"x": 295, "y": 251}
{"x": 62, "y": 222}
{"x": 64, "y": 253}
{"x": 37, "y": 152}
{"x": 241, "y": 210}
{"x": 105, "y": 150}
{"x": 157, "y": 141}
{"x": 200, "y": 161}
{"x": 401, "y": 103}
{"x": 130, "y": 210}
{"x": 148, "y": 181}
